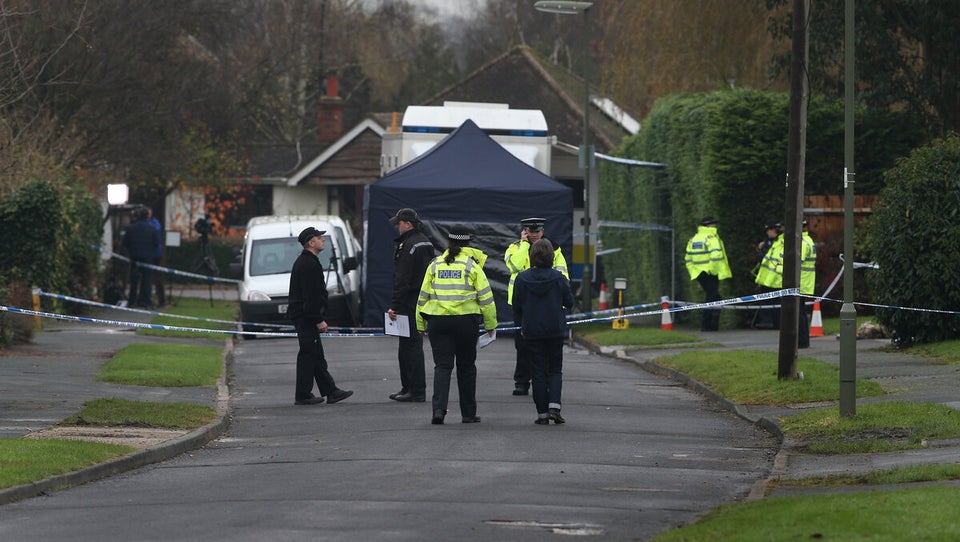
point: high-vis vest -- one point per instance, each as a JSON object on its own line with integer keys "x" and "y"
{"x": 705, "y": 253}
{"x": 457, "y": 288}
{"x": 808, "y": 264}
{"x": 517, "y": 258}
{"x": 771, "y": 268}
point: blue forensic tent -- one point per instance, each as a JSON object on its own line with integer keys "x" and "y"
{"x": 466, "y": 179}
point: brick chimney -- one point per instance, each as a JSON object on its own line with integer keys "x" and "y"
{"x": 330, "y": 112}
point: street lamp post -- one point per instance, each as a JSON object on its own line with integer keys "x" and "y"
{"x": 565, "y": 7}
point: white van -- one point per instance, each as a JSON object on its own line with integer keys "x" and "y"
{"x": 269, "y": 249}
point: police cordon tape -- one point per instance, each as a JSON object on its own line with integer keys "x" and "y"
{"x": 571, "y": 319}
{"x": 101, "y": 321}
{"x": 186, "y": 317}
{"x": 140, "y": 325}
{"x": 168, "y": 270}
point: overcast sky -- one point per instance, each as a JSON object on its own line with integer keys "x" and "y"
{"x": 451, "y": 7}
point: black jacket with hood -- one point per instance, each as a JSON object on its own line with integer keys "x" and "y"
{"x": 540, "y": 296}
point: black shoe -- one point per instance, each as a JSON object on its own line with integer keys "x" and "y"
{"x": 394, "y": 396}
{"x": 520, "y": 389}
{"x": 410, "y": 398}
{"x": 542, "y": 421}
{"x": 554, "y": 414}
{"x": 470, "y": 419}
{"x": 438, "y": 417}
{"x": 338, "y": 395}
{"x": 312, "y": 400}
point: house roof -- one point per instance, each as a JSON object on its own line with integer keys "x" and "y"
{"x": 312, "y": 171}
{"x": 522, "y": 79}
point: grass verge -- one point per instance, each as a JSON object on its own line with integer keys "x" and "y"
{"x": 603, "y": 334}
{"x": 200, "y": 308}
{"x": 121, "y": 412}
{"x": 164, "y": 365}
{"x": 944, "y": 352}
{"x": 927, "y": 513}
{"x": 28, "y": 460}
{"x": 749, "y": 377}
{"x": 899, "y": 475}
{"x": 879, "y": 427}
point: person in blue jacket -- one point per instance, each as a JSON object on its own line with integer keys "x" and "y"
{"x": 541, "y": 296}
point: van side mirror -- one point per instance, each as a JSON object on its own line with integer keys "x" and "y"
{"x": 349, "y": 264}
{"x": 236, "y": 270}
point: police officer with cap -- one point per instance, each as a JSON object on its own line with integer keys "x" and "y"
{"x": 706, "y": 262}
{"x": 413, "y": 254}
{"x": 517, "y": 259}
{"x": 306, "y": 307}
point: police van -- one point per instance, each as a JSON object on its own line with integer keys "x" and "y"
{"x": 263, "y": 266}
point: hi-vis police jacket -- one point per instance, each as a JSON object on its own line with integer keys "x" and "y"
{"x": 808, "y": 264}
{"x": 705, "y": 253}
{"x": 457, "y": 288}
{"x": 770, "y": 273}
{"x": 771, "y": 270}
{"x": 517, "y": 258}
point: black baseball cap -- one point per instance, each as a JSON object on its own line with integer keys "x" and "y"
{"x": 407, "y": 214}
{"x": 309, "y": 233}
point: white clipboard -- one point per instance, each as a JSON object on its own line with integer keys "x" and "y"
{"x": 399, "y": 327}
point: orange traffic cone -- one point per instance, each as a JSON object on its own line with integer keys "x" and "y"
{"x": 604, "y": 301}
{"x": 665, "y": 321}
{"x": 816, "y": 323}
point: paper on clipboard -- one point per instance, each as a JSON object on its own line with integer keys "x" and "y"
{"x": 486, "y": 339}
{"x": 399, "y": 327}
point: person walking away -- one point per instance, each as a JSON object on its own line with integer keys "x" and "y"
{"x": 141, "y": 241}
{"x": 306, "y": 307}
{"x": 413, "y": 254}
{"x": 808, "y": 281}
{"x": 158, "y": 258}
{"x": 706, "y": 262}
{"x": 455, "y": 294}
{"x": 540, "y": 296}
{"x": 517, "y": 259}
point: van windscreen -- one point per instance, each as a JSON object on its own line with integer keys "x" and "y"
{"x": 276, "y": 256}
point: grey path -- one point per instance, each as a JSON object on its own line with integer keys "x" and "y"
{"x": 639, "y": 454}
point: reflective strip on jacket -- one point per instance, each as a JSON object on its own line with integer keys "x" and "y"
{"x": 517, "y": 258}
{"x": 457, "y": 288}
{"x": 808, "y": 264}
{"x": 771, "y": 268}
{"x": 705, "y": 253}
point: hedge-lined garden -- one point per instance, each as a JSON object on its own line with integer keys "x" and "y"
{"x": 726, "y": 156}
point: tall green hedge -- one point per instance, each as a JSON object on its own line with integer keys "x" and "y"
{"x": 914, "y": 236}
{"x": 726, "y": 156}
{"x": 49, "y": 233}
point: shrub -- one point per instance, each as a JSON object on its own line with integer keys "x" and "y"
{"x": 914, "y": 236}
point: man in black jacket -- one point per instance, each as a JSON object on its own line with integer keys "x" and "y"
{"x": 141, "y": 240}
{"x": 306, "y": 308}
{"x": 413, "y": 255}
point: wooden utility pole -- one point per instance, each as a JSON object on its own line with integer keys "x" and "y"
{"x": 793, "y": 211}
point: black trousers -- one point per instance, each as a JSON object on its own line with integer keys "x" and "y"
{"x": 546, "y": 358}
{"x": 161, "y": 294}
{"x": 710, "y": 320}
{"x": 311, "y": 362}
{"x": 413, "y": 376}
{"x": 523, "y": 372}
{"x": 141, "y": 284}
{"x": 454, "y": 342}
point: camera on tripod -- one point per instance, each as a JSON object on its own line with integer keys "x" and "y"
{"x": 203, "y": 227}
